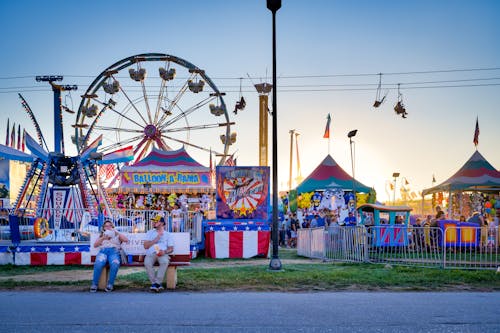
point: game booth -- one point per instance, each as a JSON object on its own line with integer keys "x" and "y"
{"x": 148, "y": 183}
{"x": 331, "y": 189}
{"x": 241, "y": 227}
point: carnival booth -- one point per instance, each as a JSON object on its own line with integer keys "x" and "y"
{"x": 331, "y": 189}
{"x": 473, "y": 188}
{"x": 241, "y": 229}
{"x": 160, "y": 179}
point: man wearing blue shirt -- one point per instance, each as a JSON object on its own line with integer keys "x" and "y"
{"x": 350, "y": 220}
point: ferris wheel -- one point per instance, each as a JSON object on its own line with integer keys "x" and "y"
{"x": 154, "y": 100}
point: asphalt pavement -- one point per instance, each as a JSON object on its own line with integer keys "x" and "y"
{"x": 172, "y": 311}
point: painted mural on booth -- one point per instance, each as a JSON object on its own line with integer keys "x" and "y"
{"x": 242, "y": 192}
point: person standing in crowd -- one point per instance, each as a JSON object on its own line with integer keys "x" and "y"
{"x": 109, "y": 245}
{"x": 314, "y": 221}
{"x": 158, "y": 244}
{"x": 300, "y": 217}
{"x": 176, "y": 214}
{"x": 294, "y": 228}
{"x": 282, "y": 233}
{"x": 288, "y": 229}
{"x": 350, "y": 219}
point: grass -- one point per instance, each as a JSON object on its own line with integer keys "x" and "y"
{"x": 292, "y": 278}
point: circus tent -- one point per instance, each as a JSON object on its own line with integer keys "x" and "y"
{"x": 166, "y": 171}
{"x": 477, "y": 174}
{"x": 329, "y": 175}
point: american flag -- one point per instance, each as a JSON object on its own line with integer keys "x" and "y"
{"x": 13, "y": 136}
{"x": 231, "y": 161}
{"x": 19, "y": 137}
{"x": 107, "y": 171}
{"x": 7, "y": 136}
{"x": 476, "y": 134}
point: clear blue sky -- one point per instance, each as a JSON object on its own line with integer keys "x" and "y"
{"x": 322, "y": 46}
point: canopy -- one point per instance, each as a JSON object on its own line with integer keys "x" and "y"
{"x": 477, "y": 174}
{"x": 163, "y": 160}
{"x": 329, "y": 175}
{"x": 166, "y": 171}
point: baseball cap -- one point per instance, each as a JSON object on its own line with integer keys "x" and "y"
{"x": 158, "y": 218}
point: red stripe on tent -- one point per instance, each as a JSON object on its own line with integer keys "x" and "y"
{"x": 263, "y": 242}
{"x": 38, "y": 259}
{"x": 73, "y": 258}
{"x": 236, "y": 244}
{"x": 210, "y": 241}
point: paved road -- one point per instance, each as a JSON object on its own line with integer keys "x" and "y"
{"x": 28, "y": 311}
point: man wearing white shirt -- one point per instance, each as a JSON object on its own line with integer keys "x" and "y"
{"x": 158, "y": 244}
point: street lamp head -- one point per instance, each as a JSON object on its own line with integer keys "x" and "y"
{"x": 352, "y": 133}
{"x": 395, "y": 174}
{"x": 273, "y": 5}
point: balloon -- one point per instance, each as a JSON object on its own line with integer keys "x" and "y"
{"x": 488, "y": 210}
{"x": 487, "y": 204}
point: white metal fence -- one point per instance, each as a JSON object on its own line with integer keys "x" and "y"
{"x": 76, "y": 225}
{"x": 454, "y": 247}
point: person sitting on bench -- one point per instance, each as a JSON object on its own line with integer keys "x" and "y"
{"x": 158, "y": 244}
{"x": 109, "y": 244}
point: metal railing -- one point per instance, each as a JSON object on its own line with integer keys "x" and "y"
{"x": 67, "y": 225}
{"x": 454, "y": 247}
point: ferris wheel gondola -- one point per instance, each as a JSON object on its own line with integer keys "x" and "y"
{"x": 154, "y": 100}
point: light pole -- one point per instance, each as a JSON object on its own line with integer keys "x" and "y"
{"x": 350, "y": 135}
{"x": 292, "y": 132}
{"x": 275, "y": 263}
{"x": 395, "y": 175}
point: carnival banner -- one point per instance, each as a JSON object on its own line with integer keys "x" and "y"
{"x": 187, "y": 178}
{"x": 242, "y": 193}
{"x": 135, "y": 244}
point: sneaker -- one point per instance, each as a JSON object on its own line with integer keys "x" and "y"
{"x": 108, "y": 289}
{"x": 160, "y": 287}
{"x": 153, "y": 287}
{"x": 93, "y": 289}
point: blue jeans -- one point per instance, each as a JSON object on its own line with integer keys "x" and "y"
{"x": 105, "y": 255}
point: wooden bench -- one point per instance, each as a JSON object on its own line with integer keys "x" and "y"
{"x": 181, "y": 256}
{"x": 138, "y": 261}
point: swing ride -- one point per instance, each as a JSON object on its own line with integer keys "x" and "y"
{"x": 379, "y": 99}
{"x": 399, "y": 108}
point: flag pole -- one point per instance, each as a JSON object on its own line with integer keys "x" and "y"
{"x": 329, "y": 145}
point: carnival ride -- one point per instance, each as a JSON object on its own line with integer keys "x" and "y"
{"x": 390, "y": 222}
{"x": 134, "y": 117}
{"x": 153, "y": 100}
{"x": 57, "y": 188}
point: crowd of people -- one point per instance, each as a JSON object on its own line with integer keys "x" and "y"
{"x": 290, "y": 223}
{"x": 476, "y": 218}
